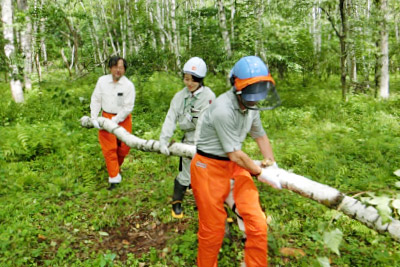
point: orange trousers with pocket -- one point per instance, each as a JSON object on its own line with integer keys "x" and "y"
{"x": 210, "y": 180}
{"x": 114, "y": 150}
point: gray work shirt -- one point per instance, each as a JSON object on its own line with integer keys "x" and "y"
{"x": 225, "y": 126}
{"x": 185, "y": 109}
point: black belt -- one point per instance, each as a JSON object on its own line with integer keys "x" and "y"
{"x": 211, "y": 156}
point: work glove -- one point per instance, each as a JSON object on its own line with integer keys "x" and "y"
{"x": 95, "y": 124}
{"x": 114, "y": 119}
{"x": 270, "y": 176}
{"x": 164, "y": 149}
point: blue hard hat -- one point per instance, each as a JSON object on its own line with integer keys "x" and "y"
{"x": 249, "y": 67}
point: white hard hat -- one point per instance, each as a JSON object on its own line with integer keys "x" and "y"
{"x": 196, "y": 67}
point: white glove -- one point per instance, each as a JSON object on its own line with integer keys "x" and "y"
{"x": 95, "y": 124}
{"x": 164, "y": 150}
{"x": 114, "y": 119}
{"x": 270, "y": 176}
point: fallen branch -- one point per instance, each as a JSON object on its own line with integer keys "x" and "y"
{"x": 321, "y": 193}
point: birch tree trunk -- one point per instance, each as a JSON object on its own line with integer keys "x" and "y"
{"x": 321, "y": 193}
{"x": 316, "y": 33}
{"x": 9, "y": 49}
{"x": 107, "y": 27}
{"x": 343, "y": 48}
{"x": 159, "y": 19}
{"x": 75, "y": 46}
{"x": 94, "y": 31}
{"x": 351, "y": 55}
{"x": 175, "y": 35}
{"x": 383, "y": 80}
{"x": 131, "y": 42}
{"x": 233, "y": 11}
{"x": 342, "y": 35}
{"x": 122, "y": 26}
{"x": 149, "y": 11}
{"x": 26, "y": 37}
{"x": 224, "y": 29}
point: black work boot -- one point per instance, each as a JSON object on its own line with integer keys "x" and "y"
{"x": 179, "y": 192}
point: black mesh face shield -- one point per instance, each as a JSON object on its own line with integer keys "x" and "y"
{"x": 260, "y": 96}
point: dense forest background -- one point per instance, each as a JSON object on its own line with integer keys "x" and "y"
{"x": 336, "y": 64}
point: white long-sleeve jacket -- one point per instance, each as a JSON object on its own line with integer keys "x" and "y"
{"x": 113, "y": 97}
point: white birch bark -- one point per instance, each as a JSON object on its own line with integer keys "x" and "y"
{"x": 66, "y": 61}
{"x": 175, "y": 34}
{"x": 188, "y": 8}
{"x": 224, "y": 29}
{"x": 351, "y": 56}
{"x": 9, "y": 49}
{"x": 233, "y": 11}
{"x": 384, "y": 51}
{"x": 94, "y": 31}
{"x": 104, "y": 15}
{"x": 149, "y": 11}
{"x": 321, "y": 193}
{"x": 160, "y": 24}
{"x": 26, "y": 37}
{"x": 122, "y": 28}
{"x": 131, "y": 42}
{"x": 43, "y": 46}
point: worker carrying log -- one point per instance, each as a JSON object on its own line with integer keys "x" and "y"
{"x": 219, "y": 158}
{"x": 185, "y": 109}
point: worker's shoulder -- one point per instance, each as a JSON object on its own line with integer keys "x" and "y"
{"x": 125, "y": 80}
{"x": 105, "y": 78}
{"x": 208, "y": 92}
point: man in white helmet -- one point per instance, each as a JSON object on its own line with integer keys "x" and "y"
{"x": 185, "y": 108}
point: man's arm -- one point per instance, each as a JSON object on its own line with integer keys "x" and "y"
{"x": 244, "y": 161}
{"x": 265, "y": 147}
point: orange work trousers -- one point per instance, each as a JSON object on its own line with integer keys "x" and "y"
{"x": 210, "y": 180}
{"x": 114, "y": 150}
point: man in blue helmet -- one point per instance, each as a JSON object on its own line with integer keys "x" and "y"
{"x": 219, "y": 159}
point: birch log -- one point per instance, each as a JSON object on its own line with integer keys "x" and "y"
{"x": 321, "y": 193}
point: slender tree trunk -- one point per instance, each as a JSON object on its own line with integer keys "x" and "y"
{"x": 160, "y": 24}
{"x": 38, "y": 67}
{"x": 26, "y": 45}
{"x": 342, "y": 35}
{"x": 384, "y": 50}
{"x": 129, "y": 28}
{"x": 122, "y": 29}
{"x": 343, "y": 48}
{"x": 75, "y": 46}
{"x": 188, "y": 13}
{"x": 94, "y": 32}
{"x": 66, "y": 62}
{"x": 175, "y": 34}
{"x": 351, "y": 10}
{"x": 10, "y": 51}
{"x": 149, "y": 11}
{"x": 107, "y": 27}
{"x": 233, "y": 11}
{"x": 224, "y": 29}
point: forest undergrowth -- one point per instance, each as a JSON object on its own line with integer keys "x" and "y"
{"x": 56, "y": 210}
